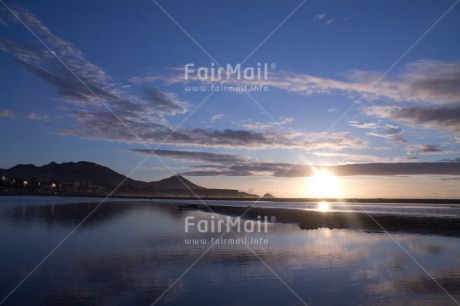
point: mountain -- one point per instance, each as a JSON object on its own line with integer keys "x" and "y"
{"x": 90, "y": 178}
{"x": 175, "y": 182}
{"x": 80, "y": 171}
{"x": 268, "y": 196}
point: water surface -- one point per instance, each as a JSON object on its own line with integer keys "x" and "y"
{"x": 131, "y": 252}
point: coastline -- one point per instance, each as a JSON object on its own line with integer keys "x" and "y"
{"x": 258, "y": 199}
{"x": 364, "y": 221}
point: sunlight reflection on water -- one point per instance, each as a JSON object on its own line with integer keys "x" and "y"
{"x": 323, "y": 207}
{"x": 129, "y": 253}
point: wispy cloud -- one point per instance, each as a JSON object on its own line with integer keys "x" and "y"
{"x": 225, "y": 164}
{"x": 83, "y": 84}
{"x": 217, "y": 117}
{"x": 100, "y": 125}
{"x": 319, "y": 17}
{"x": 427, "y": 81}
{"x": 35, "y": 116}
{"x": 348, "y": 157}
{"x": 6, "y": 113}
{"x": 364, "y": 124}
{"x": 208, "y": 157}
{"x": 323, "y": 18}
{"x": 248, "y": 124}
{"x": 441, "y": 118}
{"x": 389, "y": 131}
{"x": 424, "y": 149}
{"x": 88, "y": 86}
{"x": 296, "y": 170}
{"x": 165, "y": 102}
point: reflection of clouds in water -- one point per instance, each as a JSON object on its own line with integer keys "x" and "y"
{"x": 70, "y": 214}
{"x": 394, "y": 277}
{"x": 132, "y": 254}
{"x": 433, "y": 249}
{"x": 419, "y": 285}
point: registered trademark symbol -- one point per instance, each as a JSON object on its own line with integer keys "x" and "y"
{"x": 272, "y": 66}
{"x": 272, "y": 218}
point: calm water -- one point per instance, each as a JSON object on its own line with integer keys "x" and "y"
{"x": 130, "y": 253}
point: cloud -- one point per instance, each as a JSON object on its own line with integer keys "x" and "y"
{"x": 266, "y": 125}
{"x": 426, "y": 92}
{"x": 426, "y": 81}
{"x": 86, "y": 85}
{"x": 360, "y": 157}
{"x": 322, "y": 17}
{"x": 225, "y": 164}
{"x": 95, "y": 103}
{"x": 364, "y": 124}
{"x": 221, "y": 158}
{"x": 319, "y": 17}
{"x": 145, "y": 79}
{"x": 35, "y": 116}
{"x": 165, "y": 102}
{"x": 81, "y": 83}
{"x": 450, "y": 179}
{"x": 6, "y": 113}
{"x": 424, "y": 149}
{"x": 217, "y": 117}
{"x": 102, "y": 125}
{"x": 453, "y": 160}
{"x": 429, "y": 80}
{"x": 390, "y": 131}
{"x": 295, "y": 170}
{"x": 441, "y": 118}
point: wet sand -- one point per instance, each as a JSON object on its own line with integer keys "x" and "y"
{"x": 352, "y": 220}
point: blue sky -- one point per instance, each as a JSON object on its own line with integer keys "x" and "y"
{"x": 369, "y": 91}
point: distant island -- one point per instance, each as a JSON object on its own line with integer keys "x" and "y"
{"x": 90, "y": 179}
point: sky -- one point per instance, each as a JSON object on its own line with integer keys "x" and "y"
{"x": 294, "y": 98}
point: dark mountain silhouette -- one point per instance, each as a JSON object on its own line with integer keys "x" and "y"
{"x": 80, "y": 171}
{"x": 107, "y": 179}
{"x": 268, "y": 196}
{"x": 175, "y": 182}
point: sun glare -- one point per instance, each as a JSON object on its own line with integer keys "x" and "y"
{"x": 324, "y": 185}
{"x": 323, "y": 207}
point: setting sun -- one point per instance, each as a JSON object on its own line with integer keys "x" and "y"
{"x": 323, "y": 185}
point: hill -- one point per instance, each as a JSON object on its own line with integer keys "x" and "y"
{"x": 80, "y": 171}
{"x": 85, "y": 178}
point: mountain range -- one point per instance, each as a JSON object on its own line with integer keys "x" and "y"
{"x": 107, "y": 179}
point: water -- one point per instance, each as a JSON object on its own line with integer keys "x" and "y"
{"x": 413, "y": 209}
{"x": 131, "y": 252}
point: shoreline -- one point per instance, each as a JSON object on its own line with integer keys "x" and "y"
{"x": 309, "y": 220}
{"x": 330, "y": 200}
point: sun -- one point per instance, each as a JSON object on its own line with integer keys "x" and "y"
{"x": 323, "y": 185}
